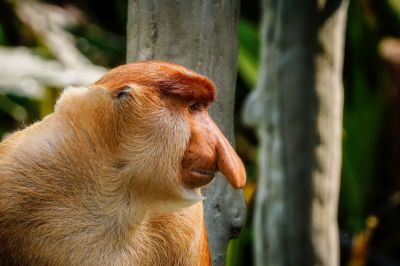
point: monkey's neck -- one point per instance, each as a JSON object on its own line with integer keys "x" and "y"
{"x": 173, "y": 239}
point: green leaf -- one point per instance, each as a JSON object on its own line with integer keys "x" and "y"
{"x": 248, "y": 52}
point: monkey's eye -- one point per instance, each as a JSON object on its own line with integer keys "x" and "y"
{"x": 195, "y": 107}
{"x": 123, "y": 92}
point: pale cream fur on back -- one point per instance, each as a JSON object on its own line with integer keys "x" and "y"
{"x": 95, "y": 183}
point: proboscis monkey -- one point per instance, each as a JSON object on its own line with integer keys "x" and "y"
{"x": 113, "y": 176}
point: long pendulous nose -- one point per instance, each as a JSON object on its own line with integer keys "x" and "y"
{"x": 228, "y": 162}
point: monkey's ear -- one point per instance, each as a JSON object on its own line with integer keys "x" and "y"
{"x": 122, "y": 92}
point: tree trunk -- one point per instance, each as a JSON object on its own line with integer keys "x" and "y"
{"x": 201, "y": 35}
{"x": 297, "y": 108}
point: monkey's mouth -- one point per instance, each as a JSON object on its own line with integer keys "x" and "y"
{"x": 209, "y": 173}
{"x": 200, "y": 177}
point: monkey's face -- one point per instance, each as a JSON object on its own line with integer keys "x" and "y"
{"x": 173, "y": 146}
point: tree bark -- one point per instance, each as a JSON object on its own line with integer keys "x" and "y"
{"x": 200, "y": 35}
{"x": 297, "y": 109}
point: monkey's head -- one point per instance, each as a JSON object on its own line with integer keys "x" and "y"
{"x": 154, "y": 117}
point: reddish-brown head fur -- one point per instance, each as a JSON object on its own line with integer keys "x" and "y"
{"x": 169, "y": 79}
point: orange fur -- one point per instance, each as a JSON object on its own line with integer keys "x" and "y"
{"x": 114, "y": 179}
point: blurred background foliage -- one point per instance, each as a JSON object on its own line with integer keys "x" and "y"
{"x": 369, "y": 211}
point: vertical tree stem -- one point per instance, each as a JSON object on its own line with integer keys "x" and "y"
{"x": 297, "y": 108}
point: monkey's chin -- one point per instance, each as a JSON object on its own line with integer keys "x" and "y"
{"x": 192, "y": 195}
{"x": 187, "y": 197}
